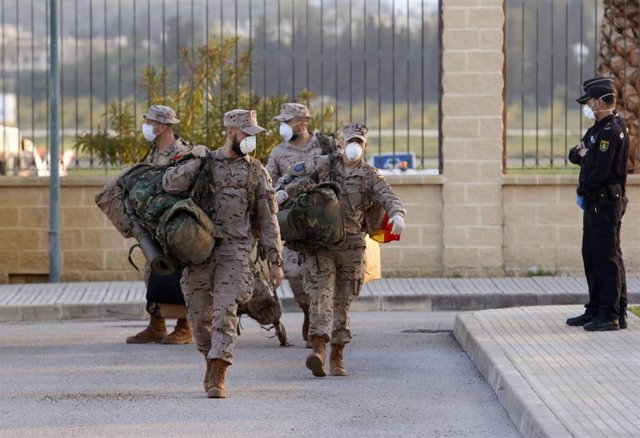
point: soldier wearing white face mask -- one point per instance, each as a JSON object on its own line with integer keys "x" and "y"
{"x": 238, "y": 197}
{"x": 333, "y": 276}
{"x": 297, "y": 145}
{"x": 166, "y": 148}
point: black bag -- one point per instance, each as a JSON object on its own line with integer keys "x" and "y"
{"x": 165, "y": 288}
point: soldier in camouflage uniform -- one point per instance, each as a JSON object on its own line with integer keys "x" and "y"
{"x": 333, "y": 276}
{"x": 239, "y": 199}
{"x": 166, "y": 148}
{"x": 298, "y": 144}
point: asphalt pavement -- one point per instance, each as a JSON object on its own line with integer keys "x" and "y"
{"x": 500, "y": 363}
{"x": 408, "y": 377}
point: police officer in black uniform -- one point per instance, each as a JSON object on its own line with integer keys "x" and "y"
{"x": 602, "y": 155}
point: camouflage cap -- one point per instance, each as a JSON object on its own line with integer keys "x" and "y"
{"x": 355, "y": 130}
{"x": 162, "y": 114}
{"x": 246, "y": 120}
{"x": 292, "y": 110}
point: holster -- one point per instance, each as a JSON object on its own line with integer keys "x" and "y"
{"x": 604, "y": 195}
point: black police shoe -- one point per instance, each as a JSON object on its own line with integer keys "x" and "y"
{"x": 622, "y": 320}
{"x": 602, "y": 324}
{"x": 577, "y": 321}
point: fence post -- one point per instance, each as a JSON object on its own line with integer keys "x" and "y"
{"x": 54, "y": 159}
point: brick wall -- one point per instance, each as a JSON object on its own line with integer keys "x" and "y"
{"x": 91, "y": 248}
{"x": 543, "y": 225}
{"x": 539, "y": 230}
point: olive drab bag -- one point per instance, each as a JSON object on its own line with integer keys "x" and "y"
{"x": 264, "y": 306}
{"x": 314, "y": 219}
{"x": 184, "y": 231}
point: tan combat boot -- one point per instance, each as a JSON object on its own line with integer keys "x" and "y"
{"x": 216, "y": 378}
{"x": 207, "y": 374}
{"x": 180, "y": 335}
{"x": 315, "y": 361}
{"x": 155, "y": 332}
{"x": 336, "y": 360}
{"x": 305, "y": 325}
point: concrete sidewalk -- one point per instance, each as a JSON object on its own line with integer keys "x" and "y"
{"x": 126, "y": 300}
{"x": 554, "y": 380}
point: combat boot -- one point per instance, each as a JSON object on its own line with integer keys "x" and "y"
{"x": 207, "y": 374}
{"x": 155, "y": 332}
{"x": 581, "y": 320}
{"x": 180, "y": 335}
{"x": 217, "y": 374}
{"x": 315, "y": 361}
{"x": 602, "y": 323}
{"x": 622, "y": 319}
{"x": 336, "y": 360}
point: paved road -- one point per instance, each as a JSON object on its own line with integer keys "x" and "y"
{"x": 409, "y": 377}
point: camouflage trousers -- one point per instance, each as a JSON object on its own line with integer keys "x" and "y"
{"x": 333, "y": 278}
{"x": 293, "y": 271}
{"x": 212, "y": 291}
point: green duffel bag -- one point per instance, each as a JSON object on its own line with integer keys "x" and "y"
{"x": 314, "y": 219}
{"x": 187, "y": 233}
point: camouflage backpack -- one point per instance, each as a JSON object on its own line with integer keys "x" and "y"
{"x": 314, "y": 219}
{"x": 184, "y": 231}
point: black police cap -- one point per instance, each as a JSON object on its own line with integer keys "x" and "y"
{"x": 597, "y": 81}
{"x": 595, "y": 92}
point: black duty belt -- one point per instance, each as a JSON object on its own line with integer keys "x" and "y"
{"x": 611, "y": 192}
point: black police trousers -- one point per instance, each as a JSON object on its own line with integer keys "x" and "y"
{"x": 602, "y": 258}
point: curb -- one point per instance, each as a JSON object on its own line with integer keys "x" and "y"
{"x": 423, "y": 303}
{"x": 527, "y": 411}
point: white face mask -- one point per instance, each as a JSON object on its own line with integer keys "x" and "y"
{"x": 248, "y": 144}
{"x": 353, "y": 151}
{"x": 588, "y": 112}
{"x": 147, "y": 132}
{"x": 286, "y": 131}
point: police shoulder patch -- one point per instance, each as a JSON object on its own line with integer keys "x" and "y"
{"x": 604, "y": 145}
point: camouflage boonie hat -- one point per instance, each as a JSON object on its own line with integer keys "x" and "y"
{"x": 355, "y": 130}
{"x": 246, "y": 120}
{"x": 162, "y": 114}
{"x": 290, "y": 111}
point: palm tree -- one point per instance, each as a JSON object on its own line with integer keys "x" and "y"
{"x": 619, "y": 58}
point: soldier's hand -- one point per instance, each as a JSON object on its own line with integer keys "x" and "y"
{"x": 398, "y": 223}
{"x": 199, "y": 151}
{"x": 281, "y": 196}
{"x": 275, "y": 275}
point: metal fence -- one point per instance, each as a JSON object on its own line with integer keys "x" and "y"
{"x": 551, "y": 47}
{"x": 377, "y": 61}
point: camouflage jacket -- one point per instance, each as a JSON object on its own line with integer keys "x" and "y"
{"x": 361, "y": 187}
{"x": 286, "y": 154}
{"x": 240, "y": 199}
{"x": 169, "y": 155}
